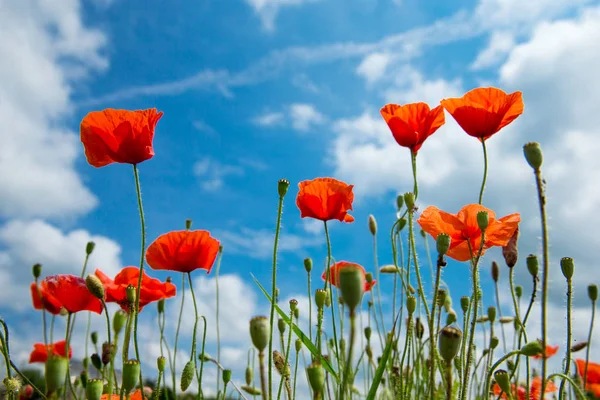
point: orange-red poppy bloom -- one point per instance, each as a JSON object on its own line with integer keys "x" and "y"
{"x": 412, "y": 124}
{"x": 593, "y": 376}
{"x": 152, "y": 289}
{"x": 43, "y": 302}
{"x": 40, "y": 351}
{"x": 119, "y": 136}
{"x": 550, "y": 351}
{"x": 135, "y": 396}
{"x": 325, "y": 199}
{"x": 463, "y": 229}
{"x": 183, "y": 251}
{"x": 335, "y": 273}
{"x": 534, "y": 390}
{"x": 482, "y": 112}
{"x": 70, "y": 292}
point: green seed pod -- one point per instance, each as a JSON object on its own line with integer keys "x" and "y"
{"x": 320, "y": 298}
{"x": 282, "y": 187}
{"x": 281, "y": 325}
{"x": 372, "y": 225}
{"x": 161, "y": 362}
{"x": 491, "y": 313}
{"x": 297, "y": 313}
{"x": 494, "y": 342}
{"x": 401, "y": 224}
{"x": 464, "y": 303}
{"x": 226, "y": 376}
{"x": 443, "y": 243}
{"x": 533, "y": 265}
{"x": 86, "y": 363}
{"x": 83, "y": 377}
{"x": 506, "y": 320}
{"x": 96, "y": 361}
{"x": 503, "y": 380}
{"x": 533, "y": 155}
{"x": 131, "y": 374}
{"x": 187, "y": 376}
{"x": 593, "y": 292}
{"x": 298, "y": 345}
{"x": 483, "y": 220}
{"x": 389, "y": 269}
{"x": 119, "y": 321}
{"x": 251, "y": 390}
{"x": 449, "y": 342}
{"x": 188, "y": 224}
{"x": 409, "y": 200}
{"x": 352, "y": 284}
{"x": 89, "y": 248}
{"x": 368, "y": 333}
{"x": 519, "y": 291}
{"x": 567, "y": 267}
{"x": 399, "y": 202}
{"x": 316, "y": 377}
{"x": 131, "y": 293}
{"x": 94, "y": 388}
{"x": 293, "y": 304}
{"x": 411, "y": 304}
{"x": 260, "y": 332}
{"x": 37, "y": 270}
{"x": 160, "y": 306}
{"x": 532, "y": 349}
{"x": 450, "y": 318}
{"x": 249, "y": 375}
{"x": 94, "y": 286}
{"x": 495, "y": 271}
{"x": 55, "y": 373}
{"x": 308, "y": 264}
{"x": 94, "y": 337}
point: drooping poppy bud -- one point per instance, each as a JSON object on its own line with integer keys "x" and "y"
{"x": 399, "y": 202}
{"x": 298, "y": 345}
{"x": 96, "y": 361}
{"x": 119, "y": 320}
{"x": 510, "y": 252}
{"x": 506, "y": 320}
{"x": 533, "y": 348}
{"x": 251, "y": 390}
{"x": 107, "y": 352}
{"x": 495, "y": 271}
{"x": 187, "y": 376}
{"x": 260, "y": 332}
{"x": 519, "y": 291}
{"x": 249, "y": 375}
{"x": 450, "y": 318}
{"x": 533, "y": 155}
{"x": 281, "y": 325}
{"x": 368, "y": 333}
{"x": 449, "y": 342}
{"x": 94, "y": 337}
{"x": 280, "y": 364}
{"x": 494, "y": 341}
{"x": 94, "y": 286}
{"x": 579, "y": 346}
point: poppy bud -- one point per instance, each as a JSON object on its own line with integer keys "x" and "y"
{"x": 316, "y": 377}
{"x": 372, "y": 225}
{"x": 249, "y": 375}
{"x": 281, "y": 325}
{"x": 593, "y": 292}
{"x": 483, "y": 220}
{"x": 188, "y": 224}
{"x": 495, "y": 271}
{"x": 464, "y": 303}
{"x": 482, "y": 320}
{"x": 119, "y": 320}
{"x": 226, "y": 376}
{"x": 89, "y": 248}
{"x": 260, "y": 332}
{"x": 511, "y": 365}
{"x": 503, "y": 380}
{"x": 567, "y": 267}
{"x": 93, "y": 389}
{"x": 251, "y": 390}
{"x": 411, "y": 304}
{"x": 449, "y": 342}
{"x": 293, "y": 304}
{"x": 94, "y": 337}
{"x": 441, "y": 297}
{"x": 352, "y": 284}
{"x": 308, "y": 264}
{"x": 450, "y": 318}
{"x": 510, "y": 252}
{"x": 368, "y": 333}
{"x": 320, "y": 298}
{"x": 94, "y": 286}
{"x": 107, "y": 352}
{"x": 28, "y": 391}
{"x": 130, "y": 292}
{"x": 399, "y": 202}
{"x": 401, "y": 224}
{"x": 86, "y": 363}
{"x": 298, "y": 345}
{"x": 161, "y": 362}
{"x": 55, "y": 373}
{"x": 369, "y": 277}
{"x": 96, "y": 361}
{"x": 409, "y": 200}
{"x": 442, "y": 243}
{"x": 37, "y": 270}
{"x": 389, "y": 269}
{"x": 187, "y": 376}
{"x": 297, "y": 313}
{"x": 494, "y": 342}
{"x": 282, "y": 187}
{"x": 423, "y": 233}
{"x": 533, "y": 265}
{"x": 204, "y": 357}
{"x": 532, "y": 349}
{"x": 491, "y": 313}
{"x": 519, "y": 291}
{"x": 280, "y": 365}
{"x": 160, "y": 306}
{"x": 579, "y": 346}
{"x": 506, "y": 320}
{"x": 419, "y": 329}
{"x": 533, "y": 155}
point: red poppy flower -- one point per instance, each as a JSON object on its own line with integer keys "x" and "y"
{"x": 534, "y": 390}
{"x": 40, "y": 352}
{"x": 325, "y": 199}
{"x": 183, "y": 251}
{"x": 152, "y": 289}
{"x": 463, "y": 229}
{"x": 119, "y": 136}
{"x": 593, "y": 376}
{"x": 135, "y": 396}
{"x": 43, "y": 302}
{"x": 484, "y": 111}
{"x": 550, "y": 351}
{"x": 412, "y": 124}
{"x": 70, "y": 292}
{"x": 335, "y": 272}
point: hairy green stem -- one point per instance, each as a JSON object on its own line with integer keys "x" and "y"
{"x": 174, "y": 363}
{"x": 485, "y": 171}
{"x": 217, "y": 312}
{"x": 567, "y": 361}
{"x": 328, "y": 285}
{"x": 589, "y": 345}
{"x": 139, "y": 283}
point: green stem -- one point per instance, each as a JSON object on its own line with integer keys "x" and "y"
{"x": 193, "y": 352}
{"x": 52, "y": 327}
{"x": 485, "y": 171}
{"x": 574, "y": 385}
{"x": 431, "y": 321}
{"x": 127, "y": 337}
{"x": 112, "y": 347}
{"x": 589, "y": 345}
{"x": 376, "y": 261}
{"x": 500, "y": 315}
{"x": 413, "y": 159}
{"x": 296, "y": 373}
{"x": 349, "y": 359}
{"x": 263, "y": 383}
{"x": 26, "y": 379}
{"x": 310, "y": 327}
{"x": 139, "y": 283}
{"x": 200, "y": 393}
{"x": 328, "y": 285}
{"x": 287, "y": 354}
{"x": 68, "y": 377}
{"x": 174, "y": 363}
{"x": 273, "y": 291}
{"x": 217, "y": 312}
{"x": 449, "y": 381}
{"x": 490, "y": 372}
{"x": 569, "y": 336}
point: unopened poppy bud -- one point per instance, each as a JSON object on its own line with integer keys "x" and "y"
{"x": 369, "y": 277}
{"x": 483, "y": 220}
{"x": 107, "y": 352}
{"x": 160, "y": 306}
{"x": 187, "y": 376}
{"x": 94, "y": 286}
{"x": 298, "y": 345}
{"x": 94, "y": 337}
{"x": 464, "y": 303}
{"x": 89, "y": 248}
{"x": 308, "y": 264}
{"x": 119, "y": 320}
{"x": 161, "y": 362}
{"x": 511, "y": 365}
{"x": 320, "y": 298}
{"x": 411, "y": 304}
{"x": 12, "y": 384}
{"x": 419, "y": 328}
{"x": 296, "y": 313}
{"x": 280, "y": 364}
{"x": 226, "y": 376}
{"x": 401, "y": 224}
{"x": 316, "y": 377}
{"x": 130, "y": 292}
{"x": 282, "y": 187}
{"x": 533, "y": 266}
{"x": 409, "y": 200}
{"x": 442, "y": 243}
{"x": 169, "y": 279}
{"x": 331, "y": 343}
{"x": 503, "y": 380}
{"x": 399, "y": 202}
{"x": 510, "y": 252}
{"x": 86, "y": 362}
{"x": 96, "y": 361}
{"x": 567, "y": 267}
{"x": 55, "y": 373}
{"x": 281, "y": 325}
{"x": 389, "y": 269}
{"x": 372, "y": 225}
{"x": 249, "y": 375}
{"x": 482, "y": 320}
{"x": 204, "y": 357}
{"x": 491, "y": 313}
{"x": 579, "y": 346}
{"x": 352, "y": 284}
{"x": 593, "y": 292}
{"x": 533, "y": 155}
{"x": 37, "y": 270}
{"x": 532, "y": 349}
{"x": 449, "y": 342}
{"x": 260, "y": 332}
{"x": 494, "y": 342}
{"x": 441, "y": 297}
{"x": 411, "y": 289}
{"x": 368, "y": 333}
{"x": 251, "y": 390}
{"x": 93, "y": 389}
{"x": 450, "y": 318}
{"x": 519, "y": 291}
{"x": 495, "y": 271}
{"x": 293, "y": 304}
{"x": 423, "y": 233}
{"x": 506, "y": 320}
{"x": 188, "y": 224}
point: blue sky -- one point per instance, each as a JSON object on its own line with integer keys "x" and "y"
{"x": 257, "y": 90}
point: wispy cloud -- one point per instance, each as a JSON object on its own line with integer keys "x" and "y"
{"x": 269, "y": 119}
{"x": 212, "y": 173}
{"x": 204, "y": 127}
{"x": 304, "y": 116}
{"x": 267, "y": 10}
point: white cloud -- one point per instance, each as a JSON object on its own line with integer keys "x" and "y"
{"x": 374, "y": 66}
{"x": 204, "y": 127}
{"x": 499, "y": 45}
{"x": 269, "y": 119}
{"x": 304, "y": 116}
{"x": 267, "y": 10}
{"x": 212, "y": 173}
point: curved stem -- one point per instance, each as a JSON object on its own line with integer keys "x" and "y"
{"x": 310, "y": 327}
{"x": 485, "y": 171}
{"x": 328, "y": 285}
{"x": 193, "y": 352}
{"x": 139, "y": 283}
{"x": 488, "y": 380}
{"x": 573, "y": 384}
{"x": 589, "y": 345}
{"x": 431, "y": 329}
{"x": 569, "y": 336}
{"x": 174, "y": 363}
{"x": 217, "y": 312}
